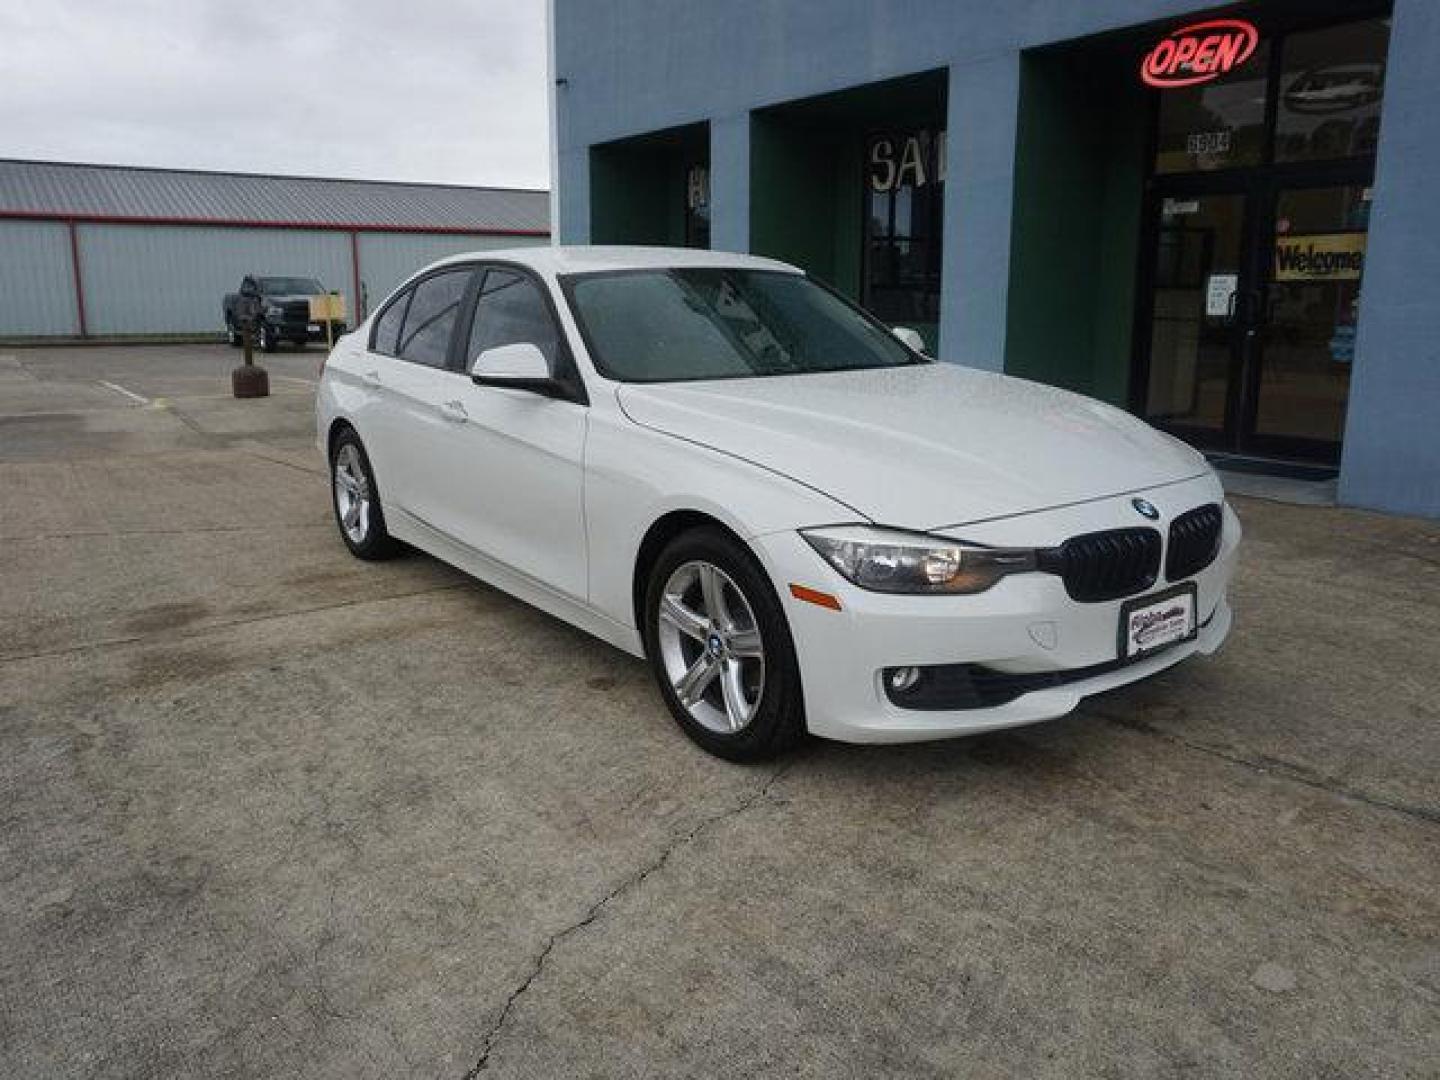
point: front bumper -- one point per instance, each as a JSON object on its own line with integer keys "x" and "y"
{"x": 1025, "y": 623}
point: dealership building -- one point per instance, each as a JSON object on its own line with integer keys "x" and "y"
{"x": 107, "y": 252}
{"x": 1223, "y": 219}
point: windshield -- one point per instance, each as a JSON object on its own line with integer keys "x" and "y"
{"x": 678, "y": 325}
{"x": 290, "y": 286}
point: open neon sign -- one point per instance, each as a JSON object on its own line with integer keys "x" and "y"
{"x": 1199, "y": 53}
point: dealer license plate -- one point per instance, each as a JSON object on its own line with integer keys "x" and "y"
{"x": 1151, "y": 623}
{"x": 315, "y": 326}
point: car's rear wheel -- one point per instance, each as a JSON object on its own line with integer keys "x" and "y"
{"x": 357, "y": 500}
{"x": 268, "y": 341}
{"x": 232, "y": 336}
{"x": 721, "y": 649}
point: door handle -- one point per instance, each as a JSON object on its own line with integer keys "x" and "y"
{"x": 454, "y": 411}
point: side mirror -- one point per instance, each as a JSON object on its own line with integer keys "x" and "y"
{"x": 910, "y": 337}
{"x": 520, "y": 366}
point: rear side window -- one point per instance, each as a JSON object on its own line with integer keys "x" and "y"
{"x": 511, "y": 310}
{"x": 430, "y": 320}
{"x": 387, "y": 328}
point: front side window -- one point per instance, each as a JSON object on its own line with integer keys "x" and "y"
{"x": 511, "y": 310}
{"x": 683, "y": 324}
{"x": 430, "y": 320}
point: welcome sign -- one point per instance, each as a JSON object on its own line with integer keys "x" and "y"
{"x": 1320, "y": 257}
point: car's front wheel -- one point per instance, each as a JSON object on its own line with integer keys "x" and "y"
{"x": 721, "y": 648}
{"x": 357, "y": 500}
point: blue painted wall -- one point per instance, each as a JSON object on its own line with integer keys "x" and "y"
{"x": 1392, "y": 432}
{"x": 634, "y": 66}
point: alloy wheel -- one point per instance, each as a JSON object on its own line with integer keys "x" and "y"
{"x": 352, "y": 493}
{"x": 711, "y": 647}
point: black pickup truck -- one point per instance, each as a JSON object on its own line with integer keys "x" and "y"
{"x": 284, "y": 312}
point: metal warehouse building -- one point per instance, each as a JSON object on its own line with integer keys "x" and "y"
{"x": 1223, "y": 218}
{"x": 101, "y": 251}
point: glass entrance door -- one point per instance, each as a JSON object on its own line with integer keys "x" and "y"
{"x": 1198, "y": 315}
{"x": 1253, "y": 301}
{"x": 1254, "y": 250}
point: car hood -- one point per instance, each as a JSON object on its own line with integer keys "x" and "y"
{"x": 921, "y": 447}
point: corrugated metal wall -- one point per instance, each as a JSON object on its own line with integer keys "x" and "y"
{"x": 387, "y": 259}
{"x": 150, "y": 279}
{"x": 172, "y": 279}
{"x": 37, "y": 285}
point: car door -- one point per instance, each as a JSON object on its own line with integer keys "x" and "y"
{"x": 419, "y": 389}
{"x": 365, "y": 388}
{"x": 519, "y": 456}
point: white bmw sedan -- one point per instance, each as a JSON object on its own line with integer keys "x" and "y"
{"x": 805, "y": 524}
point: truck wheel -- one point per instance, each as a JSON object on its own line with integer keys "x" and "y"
{"x": 267, "y": 339}
{"x": 232, "y": 336}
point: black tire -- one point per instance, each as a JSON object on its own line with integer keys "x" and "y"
{"x": 376, "y": 543}
{"x": 233, "y": 337}
{"x": 268, "y": 343}
{"x": 778, "y": 723}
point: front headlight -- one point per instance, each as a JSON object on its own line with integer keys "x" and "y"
{"x": 889, "y": 561}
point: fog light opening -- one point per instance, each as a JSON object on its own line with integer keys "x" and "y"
{"x": 902, "y": 679}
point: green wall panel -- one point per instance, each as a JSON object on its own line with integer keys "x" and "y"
{"x": 638, "y": 187}
{"x": 1079, "y": 175}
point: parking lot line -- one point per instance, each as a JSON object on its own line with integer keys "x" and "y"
{"x": 128, "y": 393}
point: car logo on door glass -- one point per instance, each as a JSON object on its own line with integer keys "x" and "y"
{"x": 1145, "y": 508}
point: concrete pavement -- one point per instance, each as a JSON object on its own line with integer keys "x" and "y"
{"x": 269, "y": 811}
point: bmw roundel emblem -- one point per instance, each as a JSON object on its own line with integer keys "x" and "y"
{"x": 1146, "y": 509}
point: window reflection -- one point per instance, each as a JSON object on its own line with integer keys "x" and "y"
{"x": 1218, "y": 125}
{"x": 1331, "y": 87}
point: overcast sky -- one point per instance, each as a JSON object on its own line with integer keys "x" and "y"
{"x": 448, "y": 91}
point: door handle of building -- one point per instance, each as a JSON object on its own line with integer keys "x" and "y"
{"x": 454, "y": 411}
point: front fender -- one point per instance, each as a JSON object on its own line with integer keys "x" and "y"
{"x": 634, "y": 476}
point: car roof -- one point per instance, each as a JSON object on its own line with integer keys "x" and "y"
{"x": 579, "y": 259}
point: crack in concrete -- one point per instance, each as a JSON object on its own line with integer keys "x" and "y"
{"x": 1269, "y": 766}
{"x": 306, "y": 469}
{"x": 628, "y": 885}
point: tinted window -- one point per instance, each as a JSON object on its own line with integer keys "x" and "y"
{"x": 425, "y": 338}
{"x": 387, "y": 327}
{"x": 673, "y": 325}
{"x": 903, "y": 223}
{"x": 512, "y": 310}
{"x": 1215, "y": 125}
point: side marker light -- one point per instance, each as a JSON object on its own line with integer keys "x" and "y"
{"x": 815, "y": 596}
